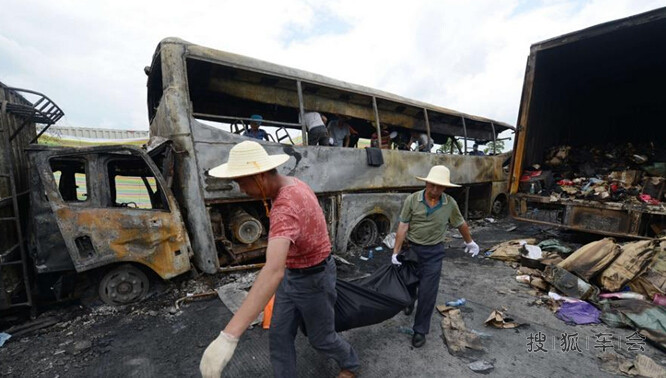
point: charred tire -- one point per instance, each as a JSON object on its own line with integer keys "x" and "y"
{"x": 499, "y": 206}
{"x": 123, "y": 284}
{"x": 365, "y": 233}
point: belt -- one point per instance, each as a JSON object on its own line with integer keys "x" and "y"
{"x": 311, "y": 269}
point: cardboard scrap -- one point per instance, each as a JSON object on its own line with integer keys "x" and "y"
{"x": 456, "y": 335}
{"x": 497, "y": 319}
{"x": 509, "y": 250}
{"x": 642, "y": 365}
{"x": 442, "y": 309}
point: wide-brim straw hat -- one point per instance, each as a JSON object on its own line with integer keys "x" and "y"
{"x": 439, "y": 175}
{"x": 246, "y": 159}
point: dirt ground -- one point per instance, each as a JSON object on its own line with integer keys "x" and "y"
{"x": 155, "y": 339}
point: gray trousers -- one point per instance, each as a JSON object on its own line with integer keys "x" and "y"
{"x": 312, "y": 299}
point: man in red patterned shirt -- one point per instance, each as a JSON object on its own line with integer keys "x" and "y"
{"x": 304, "y": 290}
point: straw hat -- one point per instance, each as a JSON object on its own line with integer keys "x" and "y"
{"x": 439, "y": 175}
{"x": 246, "y": 159}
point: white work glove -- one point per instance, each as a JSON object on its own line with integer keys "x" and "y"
{"x": 472, "y": 248}
{"x": 217, "y": 355}
{"x": 394, "y": 259}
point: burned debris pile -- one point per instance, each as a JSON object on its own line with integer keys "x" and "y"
{"x": 622, "y": 285}
{"x": 626, "y": 174}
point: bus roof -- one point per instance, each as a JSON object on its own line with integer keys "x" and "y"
{"x": 242, "y": 63}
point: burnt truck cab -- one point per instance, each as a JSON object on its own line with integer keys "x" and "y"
{"x": 106, "y": 210}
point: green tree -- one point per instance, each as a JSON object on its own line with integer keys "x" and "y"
{"x": 489, "y": 147}
{"x": 446, "y": 147}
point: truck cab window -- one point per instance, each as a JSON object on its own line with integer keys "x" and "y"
{"x": 133, "y": 185}
{"x": 71, "y": 178}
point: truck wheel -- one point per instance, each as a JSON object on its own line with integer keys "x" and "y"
{"x": 123, "y": 285}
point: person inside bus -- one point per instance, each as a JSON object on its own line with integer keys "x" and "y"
{"x": 254, "y": 131}
{"x": 317, "y": 133}
{"x": 386, "y": 138}
{"x": 475, "y": 150}
{"x": 340, "y": 132}
{"x": 299, "y": 269}
{"x": 423, "y": 143}
{"x": 423, "y": 221}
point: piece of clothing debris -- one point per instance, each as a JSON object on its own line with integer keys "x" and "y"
{"x": 648, "y": 318}
{"x": 456, "y": 335}
{"x": 591, "y": 258}
{"x": 632, "y": 261}
{"x": 497, "y": 319}
{"x": 578, "y": 313}
{"x": 554, "y": 245}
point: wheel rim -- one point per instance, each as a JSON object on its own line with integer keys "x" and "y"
{"x": 123, "y": 285}
{"x": 498, "y": 206}
{"x": 365, "y": 233}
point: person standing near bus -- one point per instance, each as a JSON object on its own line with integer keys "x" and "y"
{"x": 317, "y": 133}
{"x": 424, "y": 219}
{"x": 299, "y": 269}
{"x": 254, "y": 131}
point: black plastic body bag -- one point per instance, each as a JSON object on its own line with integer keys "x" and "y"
{"x": 378, "y": 297}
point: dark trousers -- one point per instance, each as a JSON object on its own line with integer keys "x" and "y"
{"x": 312, "y": 299}
{"x": 429, "y": 271}
{"x": 318, "y": 136}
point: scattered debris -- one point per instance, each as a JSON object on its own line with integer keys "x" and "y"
{"x": 406, "y": 330}
{"x": 497, "y": 319}
{"x": 568, "y": 283}
{"x": 4, "y": 337}
{"x": 509, "y": 250}
{"x": 233, "y": 294}
{"x": 591, "y": 258}
{"x": 642, "y": 365}
{"x": 622, "y": 295}
{"x": 190, "y": 297}
{"x": 389, "y": 240}
{"x": 457, "y": 302}
{"x": 578, "y": 313}
{"x": 241, "y": 267}
{"x": 648, "y": 318}
{"x": 456, "y": 335}
{"x": 340, "y": 259}
{"x": 29, "y": 327}
{"x": 481, "y": 366}
{"x": 554, "y": 245}
{"x": 632, "y": 261}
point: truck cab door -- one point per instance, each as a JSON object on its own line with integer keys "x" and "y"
{"x": 117, "y": 207}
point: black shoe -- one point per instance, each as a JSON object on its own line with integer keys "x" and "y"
{"x": 409, "y": 310}
{"x": 418, "y": 340}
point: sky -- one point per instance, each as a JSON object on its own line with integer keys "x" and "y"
{"x": 88, "y": 56}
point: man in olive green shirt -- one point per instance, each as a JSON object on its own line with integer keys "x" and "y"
{"x": 424, "y": 219}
